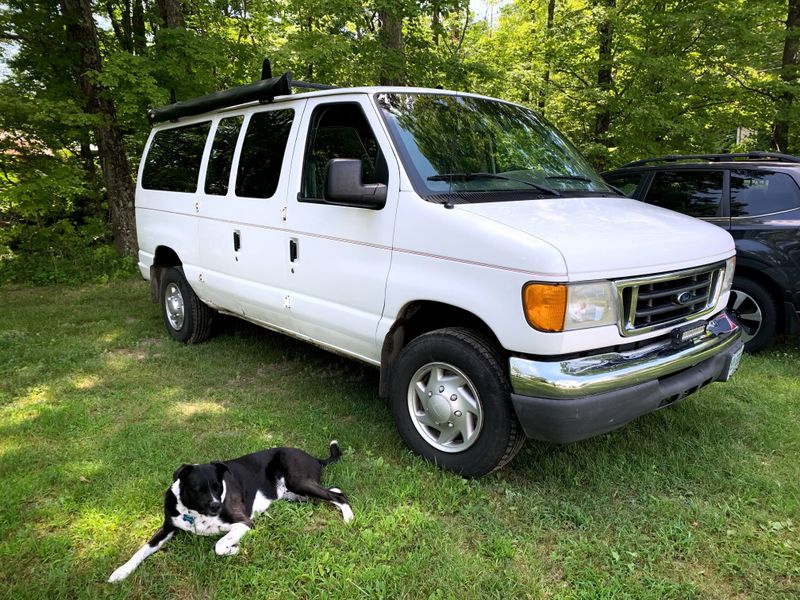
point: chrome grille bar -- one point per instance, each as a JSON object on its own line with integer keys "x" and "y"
{"x": 660, "y": 301}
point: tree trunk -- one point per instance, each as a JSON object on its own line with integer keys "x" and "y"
{"x": 82, "y": 34}
{"x": 605, "y": 63}
{"x": 790, "y": 69}
{"x": 121, "y": 29}
{"x": 436, "y": 24}
{"x": 171, "y": 14}
{"x": 138, "y": 30}
{"x": 551, "y": 12}
{"x": 391, "y": 39}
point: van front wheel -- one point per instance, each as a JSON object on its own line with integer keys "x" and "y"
{"x": 450, "y": 399}
{"x": 186, "y": 317}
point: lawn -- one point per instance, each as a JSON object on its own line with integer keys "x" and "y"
{"x": 98, "y": 407}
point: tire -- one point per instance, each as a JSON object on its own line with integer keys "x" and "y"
{"x": 451, "y": 402}
{"x": 186, "y": 317}
{"x": 756, "y": 311}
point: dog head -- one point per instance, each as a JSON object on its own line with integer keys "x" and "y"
{"x": 202, "y": 487}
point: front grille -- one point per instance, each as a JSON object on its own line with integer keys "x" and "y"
{"x": 650, "y": 303}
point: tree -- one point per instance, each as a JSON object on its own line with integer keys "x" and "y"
{"x": 82, "y": 34}
{"x": 790, "y": 73}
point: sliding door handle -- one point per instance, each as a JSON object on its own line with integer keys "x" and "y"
{"x": 237, "y": 241}
{"x": 293, "y": 250}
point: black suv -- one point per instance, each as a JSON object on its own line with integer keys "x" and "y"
{"x": 756, "y": 197}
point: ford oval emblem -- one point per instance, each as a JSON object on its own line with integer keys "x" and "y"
{"x": 683, "y": 298}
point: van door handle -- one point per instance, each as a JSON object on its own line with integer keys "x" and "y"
{"x": 237, "y": 241}
{"x": 292, "y": 250}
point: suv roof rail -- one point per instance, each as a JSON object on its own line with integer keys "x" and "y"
{"x": 776, "y": 156}
{"x": 263, "y": 91}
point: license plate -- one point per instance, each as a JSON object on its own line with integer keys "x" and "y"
{"x": 733, "y": 365}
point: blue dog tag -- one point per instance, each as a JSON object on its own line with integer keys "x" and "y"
{"x": 189, "y": 519}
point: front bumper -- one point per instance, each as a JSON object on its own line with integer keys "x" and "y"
{"x": 569, "y": 400}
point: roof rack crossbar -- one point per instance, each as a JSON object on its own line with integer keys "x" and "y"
{"x": 264, "y": 90}
{"x": 312, "y": 86}
{"x": 776, "y": 156}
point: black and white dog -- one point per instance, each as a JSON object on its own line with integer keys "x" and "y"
{"x": 223, "y": 497}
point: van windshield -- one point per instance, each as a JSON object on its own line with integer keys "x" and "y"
{"x": 461, "y": 144}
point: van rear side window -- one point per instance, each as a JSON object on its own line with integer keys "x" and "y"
{"x": 262, "y": 153}
{"x": 219, "y": 163}
{"x": 173, "y": 161}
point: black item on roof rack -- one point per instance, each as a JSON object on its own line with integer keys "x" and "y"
{"x": 264, "y": 90}
{"x": 261, "y": 91}
{"x": 774, "y": 156}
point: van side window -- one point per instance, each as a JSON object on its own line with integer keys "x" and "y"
{"x": 340, "y": 131}
{"x": 173, "y": 161}
{"x": 219, "y": 163}
{"x": 262, "y": 153}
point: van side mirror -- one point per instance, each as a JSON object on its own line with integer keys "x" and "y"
{"x": 343, "y": 186}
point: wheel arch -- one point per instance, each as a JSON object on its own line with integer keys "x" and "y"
{"x": 753, "y": 273}
{"x": 422, "y": 316}
{"x": 164, "y": 258}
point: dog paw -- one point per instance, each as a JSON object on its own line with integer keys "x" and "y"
{"x": 119, "y": 575}
{"x": 226, "y": 548}
{"x": 347, "y": 512}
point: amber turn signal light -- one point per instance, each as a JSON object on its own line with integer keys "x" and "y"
{"x": 545, "y": 305}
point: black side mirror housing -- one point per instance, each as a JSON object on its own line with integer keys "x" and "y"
{"x": 343, "y": 186}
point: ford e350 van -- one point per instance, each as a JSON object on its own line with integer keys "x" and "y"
{"x": 456, "y": 242}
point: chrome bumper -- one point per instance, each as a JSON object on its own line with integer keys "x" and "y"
{"x": 579, "y": 377}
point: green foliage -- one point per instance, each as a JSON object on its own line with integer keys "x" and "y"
{"x": 686, "y": 76}
{"x": 61, "y": 253}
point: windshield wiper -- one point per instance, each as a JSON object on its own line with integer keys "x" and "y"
{"x": 586, "y": 180}
{"x": 570, "y": 178}
{"x": 470, "y": 176}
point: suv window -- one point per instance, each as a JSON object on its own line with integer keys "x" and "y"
{"x": 173, "y": 160}
{"x": 340, "y": 131}
{"x": 695, "y": 193}
{"x": 762, "y": 192}
{"x": 626, "y": 183}
{"x": 262, "y": 153}
{"x": 219, "y": 163}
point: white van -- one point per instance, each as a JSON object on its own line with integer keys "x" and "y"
{"x": 459, "y": 243}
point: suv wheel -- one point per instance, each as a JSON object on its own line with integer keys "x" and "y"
{"x": 755, "y": 309}
{"x": 451, "y": 402}
{"x": 186, "y": 317}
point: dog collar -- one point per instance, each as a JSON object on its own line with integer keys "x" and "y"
{"x": 188, "y": 518}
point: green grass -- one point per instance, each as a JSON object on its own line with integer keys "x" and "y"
{"x": 98, "y": 407}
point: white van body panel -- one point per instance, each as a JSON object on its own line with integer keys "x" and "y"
{"x": 252, "y": 280}
{"x": 634, "y": 237}
{"x": 337, "y": 284}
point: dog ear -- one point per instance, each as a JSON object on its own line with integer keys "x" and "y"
{"x": 181, "y": 471}
{"x": 222, "y": 468}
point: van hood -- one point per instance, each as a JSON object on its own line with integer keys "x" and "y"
{"x": 612, "y": 237}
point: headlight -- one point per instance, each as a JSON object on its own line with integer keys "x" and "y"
{"x": 727, "y": 281}
{"x": 560, "y": 307}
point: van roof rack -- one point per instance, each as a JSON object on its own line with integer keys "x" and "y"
{"x": 265, "y": 90}
{"x": 774, "y": 156}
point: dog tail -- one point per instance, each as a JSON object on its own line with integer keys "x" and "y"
{"x": 335, "y": 454}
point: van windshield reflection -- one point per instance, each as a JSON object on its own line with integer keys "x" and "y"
{"x": 459, "y": 144}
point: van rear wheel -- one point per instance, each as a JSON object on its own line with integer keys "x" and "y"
{"x": 186, "y": 317}
{"x": 451, "y": 402}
